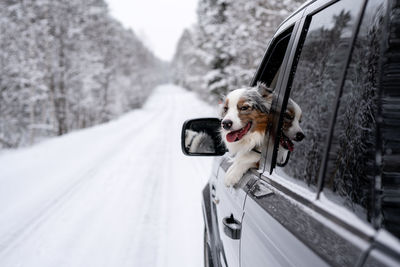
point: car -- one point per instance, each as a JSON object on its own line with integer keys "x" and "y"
{"x": 335, "y": 199}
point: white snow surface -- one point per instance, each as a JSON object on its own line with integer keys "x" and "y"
{"x": 118, "y": 194}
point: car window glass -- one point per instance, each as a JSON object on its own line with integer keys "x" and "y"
{"x": 269, "y": 73}
{"x": 352, "y": 173}
{"x": 321, "y": 57}
{"x": 271, "y": 69}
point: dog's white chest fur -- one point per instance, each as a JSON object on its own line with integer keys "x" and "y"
{"x": 243, "y": 129}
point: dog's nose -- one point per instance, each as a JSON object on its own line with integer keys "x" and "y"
{"x": 227, "y": 124}
{"x": 299, "y": 136}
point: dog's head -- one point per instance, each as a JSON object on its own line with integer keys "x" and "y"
{"x": 244, "y": 111}
{"x": 291, "y": 130}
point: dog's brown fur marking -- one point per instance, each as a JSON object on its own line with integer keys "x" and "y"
{"x": 287, "y": 123}
{"x": 258, "y": 118}
{"x": 226, "y": 106}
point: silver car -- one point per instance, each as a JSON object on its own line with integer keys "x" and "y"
{"x": 335, "y": 197}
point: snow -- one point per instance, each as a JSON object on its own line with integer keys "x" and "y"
{"x": 118, "y": 194}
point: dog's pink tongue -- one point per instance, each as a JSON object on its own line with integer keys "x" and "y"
{"x": 287, "y": 144}
{"x": 237, "y": 135}
{"x": 232, "y": 136}
{"x": 290, "y": 146}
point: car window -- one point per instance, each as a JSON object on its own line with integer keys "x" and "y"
{"x": 271, "y": 68}
{"x": 269, "y": 73}
{"x": 321, "y": 58}
{"x": 357, "y": 163}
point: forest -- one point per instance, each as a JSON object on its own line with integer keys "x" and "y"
{"x": 224, "y": 48}
{"x": 66, "y": 65}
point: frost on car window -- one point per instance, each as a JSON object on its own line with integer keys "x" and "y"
{"x": 320, "y": 64}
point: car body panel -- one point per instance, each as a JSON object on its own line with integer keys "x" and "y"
{"x": 232, "y": 205}
{"x": 267, "y": 242}
{"x": 297, "y": 226}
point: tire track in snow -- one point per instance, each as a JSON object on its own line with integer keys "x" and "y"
{"x": 146, "y": 244}
{"x": 130, "y": 222}
{"x": 130, "y": 188}
{"x": 22, "y": 231}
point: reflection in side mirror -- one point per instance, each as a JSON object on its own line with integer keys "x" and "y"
{"x": 201, "y": 137}
{"x": 283, "y": 157}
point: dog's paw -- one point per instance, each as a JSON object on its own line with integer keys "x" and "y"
{"x": 232, "y": 177}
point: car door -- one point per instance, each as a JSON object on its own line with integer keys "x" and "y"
{"x": 296, "y": 222}
{"x": 231, "y": 200}
{"x": 228, "y": 204}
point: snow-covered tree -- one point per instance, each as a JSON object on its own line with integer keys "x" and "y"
{"x": 224, "y": 49}
{"x": 66, "y": 65}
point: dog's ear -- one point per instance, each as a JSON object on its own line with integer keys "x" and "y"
{"x": 221, "y": 98}
{"x": 265, "y": 91}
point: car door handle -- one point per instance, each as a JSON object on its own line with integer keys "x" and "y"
{"x": 214, "y": 195}
{"x": 232, "y": 227}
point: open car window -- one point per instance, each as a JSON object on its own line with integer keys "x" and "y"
{"x": 271, "y": 74}
{"x": 270, "y": 69}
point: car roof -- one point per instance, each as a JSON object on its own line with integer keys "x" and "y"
{"x": 303, "y": 6}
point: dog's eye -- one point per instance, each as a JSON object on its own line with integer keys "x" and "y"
{"x": 225, "y": 109}
{"x": 244, "y": 108}
{"x": 287, "y": 116}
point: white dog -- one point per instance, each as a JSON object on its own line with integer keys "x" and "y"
{"x": 198, "y": 142}
{"x": 245, "y": 116}
{"x": 291, "y": 131}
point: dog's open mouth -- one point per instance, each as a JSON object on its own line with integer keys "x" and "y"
{"x": 238, "y": 134}
{"x": 286, "y": 143}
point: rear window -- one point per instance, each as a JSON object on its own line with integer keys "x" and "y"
{"x": 321, "y": 58}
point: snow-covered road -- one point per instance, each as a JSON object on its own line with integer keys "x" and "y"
{"x": 118, "y": 194}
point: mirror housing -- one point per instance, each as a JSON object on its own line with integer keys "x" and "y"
{"x": 201, "y": 137}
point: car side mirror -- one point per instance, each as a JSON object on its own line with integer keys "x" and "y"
{"x": 201, "y": 137}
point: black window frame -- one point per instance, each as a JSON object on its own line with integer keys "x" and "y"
{"x": 290, "y": 26}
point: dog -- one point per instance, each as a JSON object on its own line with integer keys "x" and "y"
{"x": 198, "y": 142}
{"x": 245, "y": 116}
{"x": 291, "y": 131}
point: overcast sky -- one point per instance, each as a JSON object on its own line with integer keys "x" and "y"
{"x": 159, "y": 23}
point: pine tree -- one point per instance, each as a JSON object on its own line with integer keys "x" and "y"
{"x": 66, "y": 65}
{"x": 227, "y": 43}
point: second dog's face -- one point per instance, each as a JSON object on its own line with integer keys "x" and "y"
{"x": 291, "y": 130}
{"x": 244, "y": 111}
